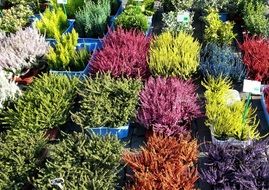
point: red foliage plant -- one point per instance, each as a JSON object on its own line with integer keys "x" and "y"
{"x": 256, "y": 57}
{"x": 167, "y": 104}
{"x": 165, "y": 163}
{"x": 266, "y": 97}
{"x": 124, "y": 54}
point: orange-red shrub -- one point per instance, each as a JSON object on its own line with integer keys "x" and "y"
{"x": 165, "y": 163}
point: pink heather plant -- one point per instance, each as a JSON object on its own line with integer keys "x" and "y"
{"x": 124, "y": 54}
{"x": 167, "y": 104}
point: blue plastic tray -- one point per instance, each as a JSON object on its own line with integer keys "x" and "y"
{"x": 120, "y": 132}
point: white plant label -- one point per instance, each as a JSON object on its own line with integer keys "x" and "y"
{"x": 62, "y": 1}
{"x": 183, "y": 17}
{"x": 252, "y": 86}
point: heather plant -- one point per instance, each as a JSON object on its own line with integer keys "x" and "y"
{"x": 168, "y": 103}
{"x": 229, "y": 167}
{"x": 107, "y": 102}
{"x": 228, "y": 120}
{"x": 171, "y": 23}
{"x": 222, "y": 61}
{"x": 218, "y": 5}
{"x": 23, "y": 50}
{"x": 65, "y": 56}
{"x": 164, "y": 163}
{"x": 9, "y": 91}
{"x": 21, "y": 156}
{"x": 133, "y": 18}
{"x": 71, "y": 6}
{"x": 124, "y": 53}
{"x": 46, "y": 104}
{"x": 11, "y": 20}
{"x": 174, "y": 55}
{"x": 255, "y": 19}
{"x": 217, "y": 31}
{"x": 92, "y": 18}
{"x": 255, "y": 57}
{"x": 177, "y": 5}
{"x": 146, "y": 6}
{"x": 53, "y": 23}
{"x": 83, "y": 162}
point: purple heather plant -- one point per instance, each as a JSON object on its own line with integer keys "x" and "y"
{"x": 21, "y": 50}
{"x": 167, "y": 105}
{"x": 124, "y": 54}
{"x": 230, "y": 167}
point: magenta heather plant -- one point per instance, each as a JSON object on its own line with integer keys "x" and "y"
{"x": 168, "y": 104}
{"x": 124, "y": 54}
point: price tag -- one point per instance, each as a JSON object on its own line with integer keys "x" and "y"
{"x": 183, "y": 17}
{"x": 62, "y": 1}
{"x": 252, "y": 86}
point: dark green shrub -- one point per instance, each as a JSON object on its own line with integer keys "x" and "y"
{"x": 20, "y": 156}
{"x": 92, "y": 19}
{"x": 83, "y": 162}
{"x": 46, "y": 104}
{"x": 107, "y": 101}
{"x": 132, "y": 18}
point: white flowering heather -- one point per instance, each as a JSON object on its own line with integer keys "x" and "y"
{"x": 8, "y": 89}
{"x": 22, "y": 49}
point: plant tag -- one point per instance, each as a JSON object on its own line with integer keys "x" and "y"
{"x": 62, "y": 1}
{"x": 252, "y": 86}
{"x": 183, "y": 17}
{"x": 57, "y": 182}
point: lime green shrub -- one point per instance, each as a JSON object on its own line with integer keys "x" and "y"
{"x": 236, "y": 120}
{"x": 107, "y": 102}
{"x": 174, "y": 55}
{"x": 84, "y": 163}
{"x": 21, "y": 156}
{"x": 65, "y": 56}
{"x": 46, "y": 104}
{"x": 53, "y": 23}
{"x": 71, "y": 7}
{"x": 217, "y": 31}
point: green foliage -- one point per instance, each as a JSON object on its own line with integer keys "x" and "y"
{"x": 34, "y": 4}
{"x": 174, "y": 55}
{"x": 46, "y": 104}
{"x": 217, "y": 31}
{"x": 255, "y": 19}
{"x": 84, "y": 163}
{"x": 218, "y": 5}
{"x": 107, "y": 102}
{"x": 228, "y": 120}
{"x": 92, "y": 19}
{"x": 132, "y": 18}
{"x": 65, "y": 56}
{"x": 20, "y": 157}
{"x": 53, "y": 23}
{"x": 11, "y": 20}
{"x": 71, "y": 7}
{"x": 146, "y": 6}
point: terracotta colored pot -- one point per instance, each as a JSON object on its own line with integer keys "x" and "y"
{"x": 27, "y": 77}
{"x": 52, "y": 134}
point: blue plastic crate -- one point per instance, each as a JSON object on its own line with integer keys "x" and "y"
{"x": 223, "y": 17}
{"x": 120, "y": 132}
{"x": 266, "y": 114}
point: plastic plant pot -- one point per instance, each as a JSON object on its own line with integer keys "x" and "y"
{"x": 223, "y": 16}
{"x": 120, "y": 132}
{"x": 264, "y": 107}
{"x": 149, "y": 31}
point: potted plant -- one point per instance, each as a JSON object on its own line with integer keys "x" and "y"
{"x": 222, "y": 61}
{"x": 217, "y": 31}
{"x": 173, "y": 5}
{"x": 22, "y": 54}
{"x": 168, "y": 105}
{"x": 124, "y": 53}
{"x": 178, "y": 21}
{"x": 265, "y": 102}
{"x": 174, "y": 55}
{"x": 230, "y": 119}
{"x": 65, "y": 59}
{"x": 164, "y": 162}
{"x": 53, "y": 23}
{"x": 9, "y": 91}
{"x": 82, "y": 162}
{"x": 231, "y": 167}
{"x": 255, "y": 19}
{"x": 107, "y": 105}
{"x": 254, "y": 51}
{"x": 45, "y": 105}
{"x": 22, "y": 155}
